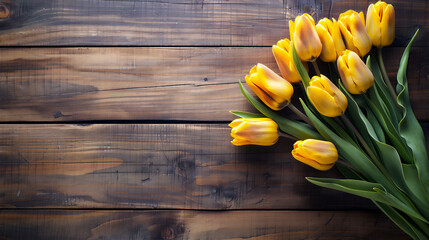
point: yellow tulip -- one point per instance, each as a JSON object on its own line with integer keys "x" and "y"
{"x": 330, "y": 36}
{"x": 272, "y": 89}
{"x": 326, "y": 97}
{"x": 283, "y": 54}
{"x": 352, "y": 26}
{"x": 303, "y": 34}
{"x": 254, "y": 131}
{"x": 355, "y": 75}
{"x": 380, "y": 24}
{"x": 318, "y": 154}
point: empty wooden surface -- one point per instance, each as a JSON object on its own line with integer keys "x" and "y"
{"x": 186, "y": 83}
{"x": 185, "y": 224}
{"x": 113, "y": 122}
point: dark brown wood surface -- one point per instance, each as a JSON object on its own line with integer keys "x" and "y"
{"x": 113, "y": 122}
{"x": 186, "y": 83}
{"x": 178, "y": 22}
{"x": 185, "y": 224}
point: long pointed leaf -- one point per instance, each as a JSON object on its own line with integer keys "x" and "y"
{"x": 297, "y": 129}
{"x": 409, "y": 127}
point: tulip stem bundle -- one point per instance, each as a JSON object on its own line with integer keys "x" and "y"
{"x": 299, "y": 114}
{"x": 383, "y": 71}
{"x": 357, "y": 117}
{"x": 316, "y": 68}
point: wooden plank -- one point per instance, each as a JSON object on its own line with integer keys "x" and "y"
{"x": 48, "y": 224}
{"x": 183, "y": 23}
{"x": 186, "y": 83}
{"x": 184, "y": 166}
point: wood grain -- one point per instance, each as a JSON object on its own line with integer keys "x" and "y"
{"x": 179, "y": 23}
{"x": 54, "y": 224}
{"x": 183, "y": 166}
{"x": 186, "y": 83}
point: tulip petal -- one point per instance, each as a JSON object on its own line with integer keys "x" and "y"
{"x": 323, "y": 102}
{"x": 328, "y": 49}
{"x": 373, "y": 25}
{"x": 361, "y": 39}
{"x": 311, "y": 163}
{"x": 388, "y": 26}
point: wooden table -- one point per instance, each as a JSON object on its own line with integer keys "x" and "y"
{"x": 114, "y": 122}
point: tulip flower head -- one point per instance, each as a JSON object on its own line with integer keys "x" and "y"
{"x": 380, "y": 23}
{"x": 326, "y": 97}
{"x": 352, "y": 26}
{"x": 272, "y": 89}
{"x": 303, "y": 34}
{"x": 318, "y": 154}
{"x": 283, "y": 54}
{"x": 254, "y": 131}
{"x": 355, "y": 75}
{"x": 330, "y": 36}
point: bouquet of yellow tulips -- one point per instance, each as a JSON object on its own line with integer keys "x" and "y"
{"x": 355, "y": 115}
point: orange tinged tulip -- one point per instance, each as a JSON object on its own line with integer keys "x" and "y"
{"x": 283, "y": 54}
{"x": 355, "y": 75}
{"x": 254, "y": 131}
{"x": 352, "y": 26}
{"x": 272, "y": 89}
{"x": 303, "y": 34}
{"x": 318, "y": 154}
{"x": 326, "y": 97}
{"x": 380, "y": 23}
{"x": 330, "y": 36}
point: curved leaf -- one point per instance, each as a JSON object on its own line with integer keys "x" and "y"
{"x": 373, "y": 191}
{"x": 295, "y": 128}
{"x": 409, "y": 127}
{"x": 247, "y": 114}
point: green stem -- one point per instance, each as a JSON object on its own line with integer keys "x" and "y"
{"x": 300, "y": 114}
{"x": 316, "y": 67}
{"x": 285, "y": 135}
{"x": 384, "y": 73}
{"x": 364, "y": 145}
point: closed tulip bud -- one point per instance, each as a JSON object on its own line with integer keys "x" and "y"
{"x": 254, "y": 131}
{"x": 318, "y": 154}
{"x": 272, "y": 89}
{"x": 326, "y": 97}
{"x": 303, "y": 34}
{"x": 355, "y": 75}
{"x": 283, "y": 54}
{"x": 352, "y": 26}
{"x": 380, "y": 24}
{"x": 332, "y": 42}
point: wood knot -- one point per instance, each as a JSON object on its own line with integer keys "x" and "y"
{"x": 167, "y": 233}
{"x": 4, "y": 11}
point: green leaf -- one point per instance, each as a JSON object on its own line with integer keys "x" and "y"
{"x": 295, "y": 128}
{"x": 373, "y": 191}
{"x": 401, "y": 222}
{"x": 409, "y": 127}
{"x": 380, "y": 110}
{"x": 247, "y": 114}
{"x": 352, "y": 154}
{"x": 300, "y": 67}
{"x": 383, "y": 90}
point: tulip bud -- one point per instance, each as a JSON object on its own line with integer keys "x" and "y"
{"x": 352, "y": 26}
{"x": 326, "y": 97}
{"x": 380, "y": 23}
{"x": 283, "y": 54}
{"x": 318, "y": 154}
{"x": 254, "y": 131}
{"x": 272, "y": 89}
{"x": 332, "y": 42}
{"x": 303, "y": 34}
{"x": 355, "y": 75}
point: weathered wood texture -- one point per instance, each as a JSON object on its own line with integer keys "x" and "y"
{"x": 48, "y": 224}
{"x": 72, "y": 84}
{"x": 172, "y": 22}
{"x": 183, "y": 166}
